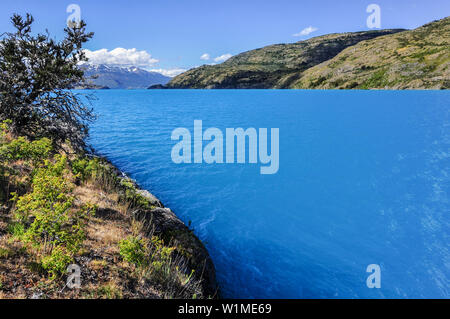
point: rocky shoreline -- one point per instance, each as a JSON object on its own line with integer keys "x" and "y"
{"x": 170, "y": 227}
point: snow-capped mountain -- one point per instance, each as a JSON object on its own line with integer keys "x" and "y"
{"x": 115, "y": 77}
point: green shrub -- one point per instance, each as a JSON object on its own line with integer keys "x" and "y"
{"x": 84, "y": 168}
{"x": 22, "y": 149}
{"x": 18, "y": 149}
{"x": 4, "y": 127}
{"x": 49, "y": 218}
{"x": 134, "y": 250}
{"x": 49, "y": 198}
{"x": 4, "y": 252}
{"x": 98, "y": 171}
{"x": 160, "y": 256}
{"x": 56, "y": 263}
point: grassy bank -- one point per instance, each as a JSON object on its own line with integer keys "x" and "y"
{"x": 59, "y": 208}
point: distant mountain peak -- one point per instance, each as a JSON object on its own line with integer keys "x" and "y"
{"x": 120, "y": 77}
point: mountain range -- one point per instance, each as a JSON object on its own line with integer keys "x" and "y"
{"x": 115, "y": 77}
{"x": 382, "y": 59}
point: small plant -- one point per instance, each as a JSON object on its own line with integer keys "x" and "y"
{"x": 4, "y": 127}
{"x": 20, "y": 149}
{"x": 133, "y": 250}
{"x": 4, "y": 252}
{"x": 109, "y": 291}
{"x": 131, "y": 196}
{"x": 80, "y": 169}
{"x": 56, "y": 263}
{"x": 155, "y": 261}
{"x": 16, "y": 229}
{"x": 100, "y": 172}
{"x": 160, "y": 257}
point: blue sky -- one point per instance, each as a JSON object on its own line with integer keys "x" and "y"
{"x": 177, "y": 33}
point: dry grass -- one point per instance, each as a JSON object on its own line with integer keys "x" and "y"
{"x": 109, "y": 225}
{"x": 98, "y": 264}
{"x": 105, "y": 235}
{"x": 91, "y": 193}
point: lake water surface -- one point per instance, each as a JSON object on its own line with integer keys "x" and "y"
{"x": 364, "y": 178}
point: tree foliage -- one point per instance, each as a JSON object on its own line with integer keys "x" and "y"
{"x": 36, "y": 75}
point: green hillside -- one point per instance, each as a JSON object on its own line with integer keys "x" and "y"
{"x": 274, "y": 66}
{"x": 385, "y": 59}
{"x": 417, "y": 59}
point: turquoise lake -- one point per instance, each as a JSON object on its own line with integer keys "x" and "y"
{"x": 364, "y": 178}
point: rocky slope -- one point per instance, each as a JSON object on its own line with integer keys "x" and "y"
{"x": 417, "y": 59}
{"x": 385, "y": 59}
{"x": 274, "y": 66}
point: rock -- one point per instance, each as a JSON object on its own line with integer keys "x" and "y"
{"x": 37, "y": 295}
{"x": 151, "y": 198}
{"x": 167, "y": 224}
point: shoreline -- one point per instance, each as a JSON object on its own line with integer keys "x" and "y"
{"x": 167, "y": 223}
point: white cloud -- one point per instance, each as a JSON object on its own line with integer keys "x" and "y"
{"x": 305, "y": 31}
{"x": 205, "y": 57}
{"x": 169, "y": 72}
{"x": 223, "y": 57}
{"x": 129, "y": 57}
{"x": 121, "y": 57}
